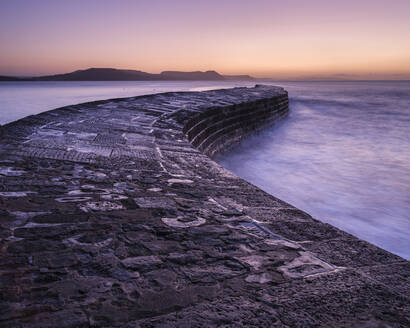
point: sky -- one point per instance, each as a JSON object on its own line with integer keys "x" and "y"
{"x": 367, "y": 39}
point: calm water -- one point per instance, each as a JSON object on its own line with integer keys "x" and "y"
{"x": 19, "y": 99}
{"x": 342, "y": 154}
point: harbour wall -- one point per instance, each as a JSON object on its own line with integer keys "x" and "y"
{"x": 113, "y": 214}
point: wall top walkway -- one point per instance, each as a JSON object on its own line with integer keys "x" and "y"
{"x": 110, "y": 217}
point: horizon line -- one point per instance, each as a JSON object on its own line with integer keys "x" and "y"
{"x": 336, "y": 77}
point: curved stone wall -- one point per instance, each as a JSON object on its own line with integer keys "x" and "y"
{"x": 218, "y": 128}
{"x": 110, "y": 217}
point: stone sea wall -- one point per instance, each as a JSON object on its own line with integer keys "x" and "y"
{"x": 112, "y": 214}
{"x": 217, "y": 128}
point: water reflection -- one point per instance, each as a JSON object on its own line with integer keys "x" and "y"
{"x": 19, "y": 99}
{"x": 342, "y": 155}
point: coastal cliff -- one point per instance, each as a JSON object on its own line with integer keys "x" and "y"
{"x": 113, "y": 214}
{"x": 112, "y": 74}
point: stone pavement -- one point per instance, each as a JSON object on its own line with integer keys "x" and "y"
{"x": 112, "y": 214}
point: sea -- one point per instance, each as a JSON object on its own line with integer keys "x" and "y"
{"x": 342, "y": 154}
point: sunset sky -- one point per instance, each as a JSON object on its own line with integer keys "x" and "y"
{"x": 264, "y": 38}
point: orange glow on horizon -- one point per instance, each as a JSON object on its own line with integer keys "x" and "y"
{"x": 262, "y": 38}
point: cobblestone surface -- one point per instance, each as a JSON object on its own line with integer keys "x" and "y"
{"x": 110, "y": 217}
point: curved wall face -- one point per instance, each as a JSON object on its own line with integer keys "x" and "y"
{"x": 218, "y": 128}
{"x": 110, "y": 217}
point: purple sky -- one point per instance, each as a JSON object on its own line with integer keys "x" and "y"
{"x": 294, "y": 38}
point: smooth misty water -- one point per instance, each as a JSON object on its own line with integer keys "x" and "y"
{"x": 342, "y": 155}
{"x": 19, "y": 99}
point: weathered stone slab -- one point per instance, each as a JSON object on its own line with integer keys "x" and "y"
{"x": 110, "y": 217}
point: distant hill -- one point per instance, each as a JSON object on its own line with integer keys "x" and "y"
{"x": 112, "y": 74}
{"x": 99, "y": 74}
{"x": 239, "y": 78}
{"x": 175, "y": 75}
{"x": 9, "y": 78}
